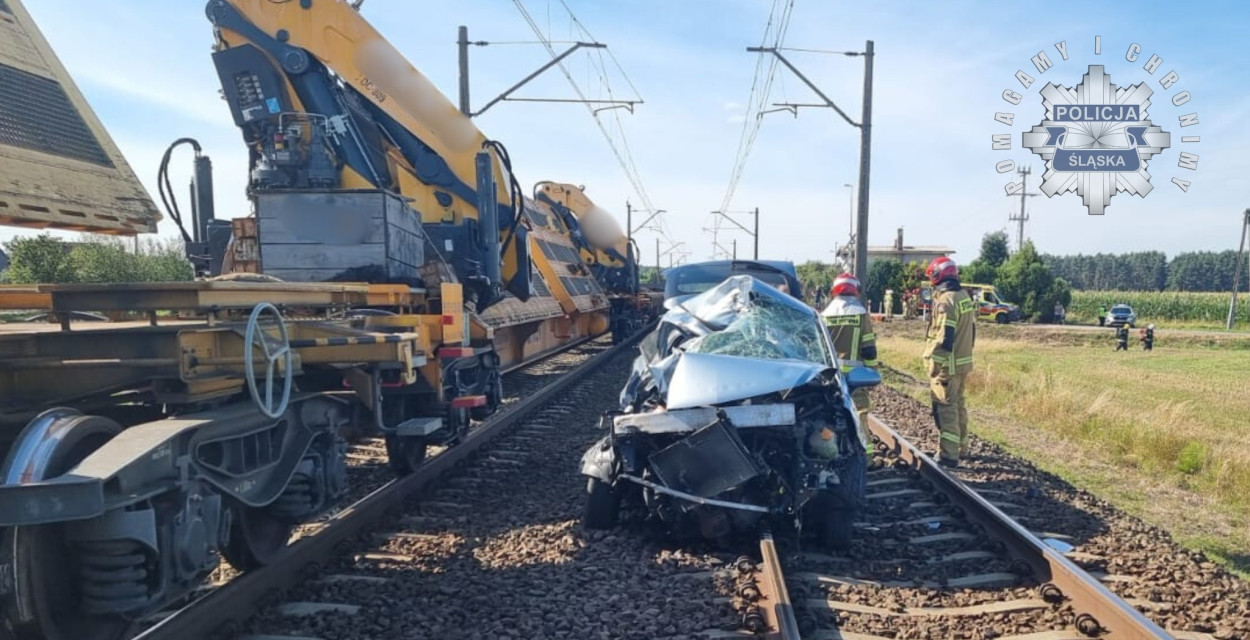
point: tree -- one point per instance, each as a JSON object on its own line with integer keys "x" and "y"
{"x": 978, "y": 272}
{"x": 882, "y": 275}
{"x": 994, "y": 248}
{"x": 38, "y": 259}
{"x": 1026, "y": 280}
{"x": 816, "y": 276}
{"x": 44, "y": 259}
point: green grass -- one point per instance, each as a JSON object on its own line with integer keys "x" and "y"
{"x": 1179, "y": 414}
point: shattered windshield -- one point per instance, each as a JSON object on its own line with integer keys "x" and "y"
{"x": 762, "y": 322}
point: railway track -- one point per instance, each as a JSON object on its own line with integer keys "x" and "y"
{"x": 938, "y": 559}
{"x": 234, "y": 598}
{"x": 367, "y": 461}
{"x": 492, "y": 549}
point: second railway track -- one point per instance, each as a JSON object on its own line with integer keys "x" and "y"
{"x": 234, "y": 598}
{"x": 486, "y": 549}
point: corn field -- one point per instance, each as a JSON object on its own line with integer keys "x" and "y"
{"x": 1162, "y": 306}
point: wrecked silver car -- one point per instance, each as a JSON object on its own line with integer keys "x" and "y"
{"x": 735, "y": 415}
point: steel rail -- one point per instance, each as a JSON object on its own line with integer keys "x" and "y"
{"x": 231, "y": 605}
{"x": 1100, "y": 613}
{"x": 778, "y": 610}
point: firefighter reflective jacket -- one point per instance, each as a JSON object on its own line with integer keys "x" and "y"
{"x": 952, "y": 330}
{"x": 851, "y": 329}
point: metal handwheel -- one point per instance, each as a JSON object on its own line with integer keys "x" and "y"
{"x": 253, "y": 337}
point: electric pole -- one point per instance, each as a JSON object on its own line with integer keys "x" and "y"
{"x": 865, "y": 163}
{"x": 1023, "y": 217}
{"x": 1241, "y": 249}
{"x": 754, "y": 233}
{"x": 860, "y": 263}
{"x": 629, "y": 223}
{"x": 463, "y": 42}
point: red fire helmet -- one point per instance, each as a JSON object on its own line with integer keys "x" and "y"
{"x": 845, "y": 285}
{"x": 942, "y": 268}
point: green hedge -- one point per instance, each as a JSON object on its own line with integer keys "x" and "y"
{"x": 47, "y": 260}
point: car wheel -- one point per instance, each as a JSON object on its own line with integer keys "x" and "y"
{"x": 1001, "y": 318}
{"x": 602, "y": 505}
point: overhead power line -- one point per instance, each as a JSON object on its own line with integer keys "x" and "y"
{"x": 621, "y": 151}
{"x": 757, "y": 100}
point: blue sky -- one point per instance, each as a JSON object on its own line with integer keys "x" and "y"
{"x": 940, "y": 70}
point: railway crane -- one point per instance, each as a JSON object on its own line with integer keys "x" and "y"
{"x": 390, "y": 270}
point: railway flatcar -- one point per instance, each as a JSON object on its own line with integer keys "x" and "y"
{"x": 390, "y": 269}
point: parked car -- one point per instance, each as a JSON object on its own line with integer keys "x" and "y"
{"x": 736, "y": 412}
{"x": 990, "y": 306}
{"x": 689, "y": 280}
{"x": 1121, "y": 314}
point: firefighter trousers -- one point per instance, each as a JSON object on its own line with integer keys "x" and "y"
{"x": 950, "y": 413}
{"x": 863, "y": 403}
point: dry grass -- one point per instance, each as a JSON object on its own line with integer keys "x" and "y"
{"x": 1163, "y": 435}
{"x": 1183, "y": 413}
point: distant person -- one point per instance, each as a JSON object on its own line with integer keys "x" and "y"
{"x": 888, "y": 307}
{"x": 1102, "y": 315}
{"x": 1148, "y": 338}
{"x": 850, "y": 326}
{"x": 1121, "y": 338}
{"x": 1059, "y": 312}
{"x": 948, "y": 357}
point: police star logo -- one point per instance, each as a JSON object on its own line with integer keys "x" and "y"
{"x": 1096, "y": 139}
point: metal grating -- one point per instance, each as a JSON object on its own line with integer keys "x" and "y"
{"x": 546, "y": 248}
{"x": 540, "y": 284}
{"x": 36, "y": 113}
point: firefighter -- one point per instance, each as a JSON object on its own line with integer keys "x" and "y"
{"x": 851, "y": 329}
{"x": 948, "y": 356}
{"x": 1148, "y": 338}
{"x": 1121, "y": 338}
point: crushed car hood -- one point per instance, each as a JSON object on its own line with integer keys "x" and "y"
{"x": 701, "y": 379}
{"x": 740, "y": 339}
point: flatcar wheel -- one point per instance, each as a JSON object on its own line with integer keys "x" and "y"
{"x": 46, "y": 602}
{"x": 405, "y": 454}
{"x": 494, "y": 398}
{"x": 256, "y": 538}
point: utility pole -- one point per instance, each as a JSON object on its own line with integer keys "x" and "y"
{"x": 1023, "y": 217}
{"x": 735, "y": 248}
{"x": 463, "y": 42}
{"x": 629, "y": 223}
{"x": 657, "y": 258}
{"x": 1241, "y": 249}
{"x": 754, "y": 233}
{"x": 860, "y": 262}
{"x": 865, "y": 163}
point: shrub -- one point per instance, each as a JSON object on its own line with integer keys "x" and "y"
{"x": 48, "y": 260}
